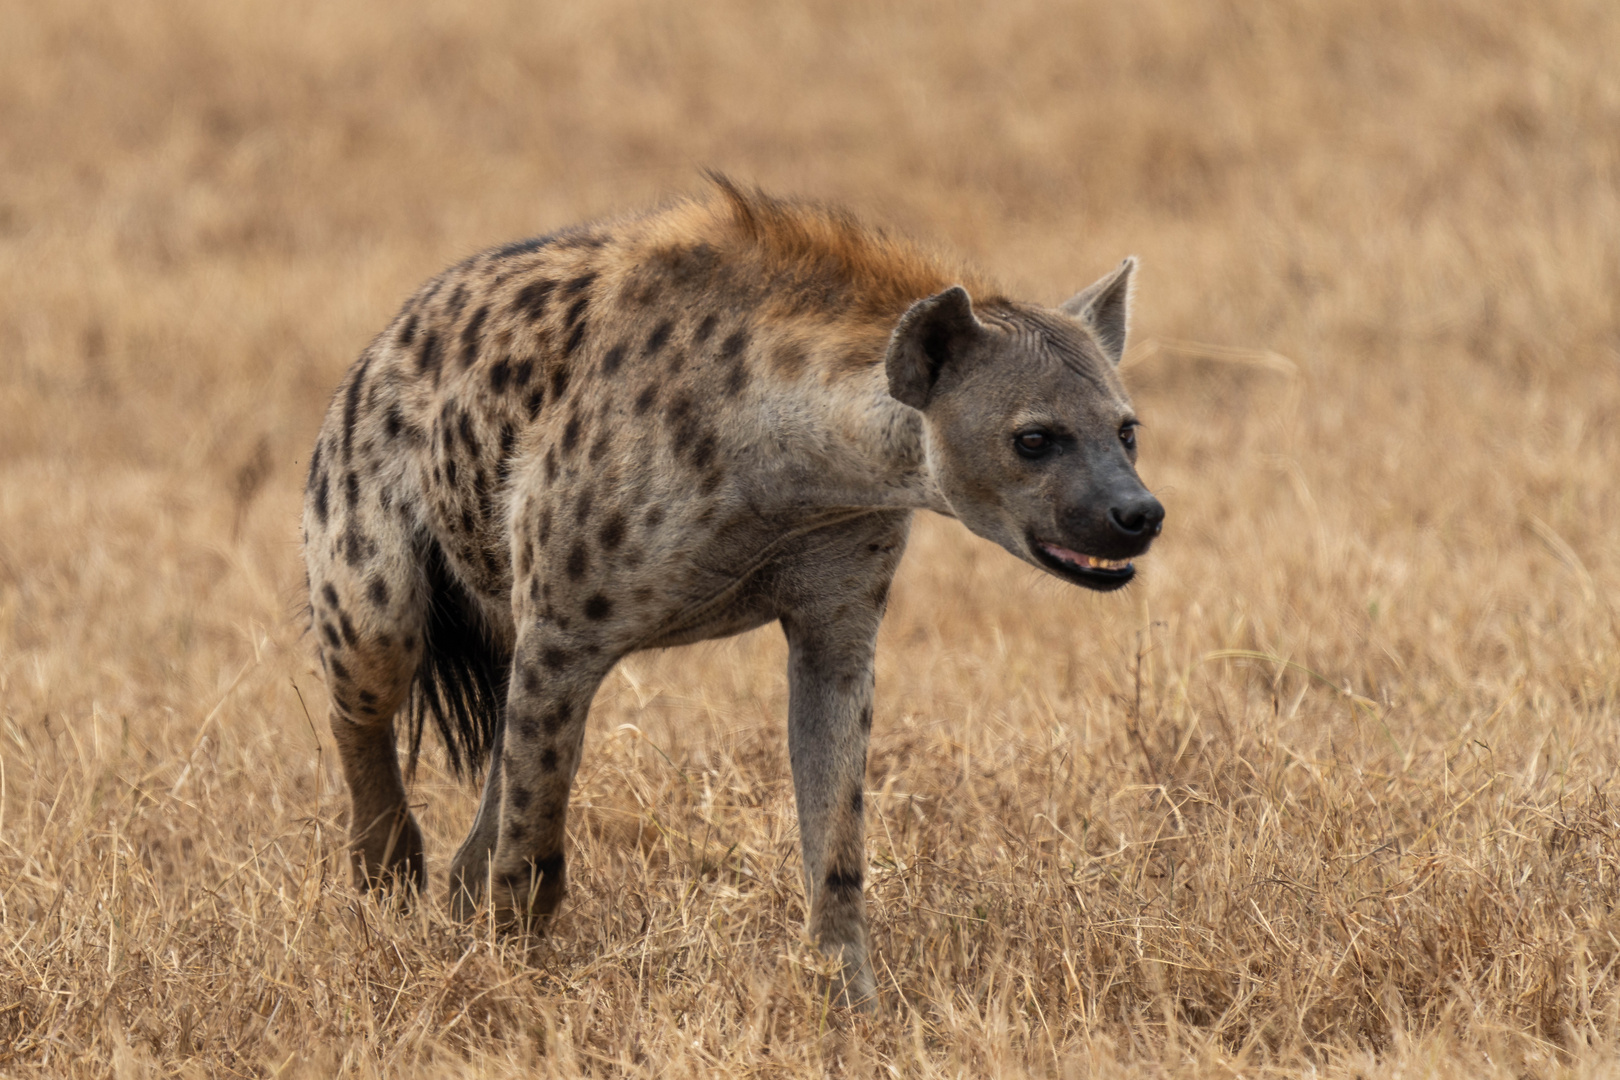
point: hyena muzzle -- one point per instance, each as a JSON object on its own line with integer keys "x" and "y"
{"x": 662, "y": 430}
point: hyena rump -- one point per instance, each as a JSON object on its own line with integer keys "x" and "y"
{"x": 666, "y": 429}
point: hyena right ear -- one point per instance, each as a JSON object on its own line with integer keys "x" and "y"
{"x": 931, "y": 333}
{"x": 1105, "y": 307}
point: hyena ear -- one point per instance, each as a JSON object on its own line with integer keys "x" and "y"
{"x": 931, "y": 333}
{"x": 1105, "y": 307}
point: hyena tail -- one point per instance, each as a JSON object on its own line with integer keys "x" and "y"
{"x": 461, "y": 680}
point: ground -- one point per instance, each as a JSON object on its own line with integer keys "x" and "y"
{"x": 1329, "y": 787}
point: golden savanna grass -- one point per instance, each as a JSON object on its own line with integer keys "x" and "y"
{"x": 1330, "y": 788}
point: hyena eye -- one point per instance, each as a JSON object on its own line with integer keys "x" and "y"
{"x": 1033, "y": 444}
{"x": 1127, "y": 435}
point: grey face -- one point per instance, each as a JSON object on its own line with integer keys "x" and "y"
{"x": 1030, "y": 434}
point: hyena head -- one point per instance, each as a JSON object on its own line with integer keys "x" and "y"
{"x": 1029, "y": 432}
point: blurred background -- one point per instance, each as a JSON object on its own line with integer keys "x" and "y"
{"x": 1376, "y": 347}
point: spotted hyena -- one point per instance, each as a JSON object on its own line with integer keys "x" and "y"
{"x": 671, "y": 428}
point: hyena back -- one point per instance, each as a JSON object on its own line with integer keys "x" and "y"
{"x": 668, "y": 429}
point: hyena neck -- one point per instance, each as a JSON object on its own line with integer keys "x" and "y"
{"x": 868, "y": 451}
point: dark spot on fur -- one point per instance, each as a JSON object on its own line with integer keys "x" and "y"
{"x": 576, "y": 336}
{"x": 329, "y": 632}
{"x": 429, "y": 358}
{"x": 576, "y": 312}
{"x": 845, "y": 883}
{"x": 612, "y": 534}
{"x": 579, "y": 561}
{"x": 549, "y": 869}
{"x": 508, "y": 441}
{"x": 472, "y": 335}
{"x": 329, "y": 594}
{"x": 337, "y": 668}
{"x": 705, "y": 329}
{"x": 580, "y": 284}
{"x": 545, "y": 526}
{"x": 857, "y": 802}
{"x": 598, "y": 607}
{"x": 537, "y": 398}
{"x": 558, "y": 718}
{"x": 548, "y": 760}
{"x": 393, "y": 422}
{"x": 599, "y": 448}
{"x": 559, "y": 383}
{"x": 367, "y": 698}
{"x": 711, "y": 481}
{"x": 582, "y": 509}
{"x": 517, "y": 793}
{"x": 458, "y": 300}
{"x": 570, "y": 435}
{"x": 351, "y": 490}
{"x": 467, "y": 522}
{"x": 377, "y": 589}
{"x": 660, "y": 335}
{"x": 530, "y": 681}
{"x": 349, "y": 636}
{"x": 351, "y": 404}
{"x": 734, "y": 352}
{"x": 500, "y": 373}
{"x": 468, "y": 438}
{"x": 614, "y": 357}
{"x": 450, "y": 472}
{"x": 407, "y": 333}
{"x": 358, "y": 548}
{"x": 555, "y": 659}
{"x": 703, "y": 450}
{"x": 643, "y": 595}
{"x": 551, "y": 465}
{"x": 321, "y": 489}
{"x": 522, "y": 372}
{"x": 520, "y": 247}
{"x": 677, "y": 361}
{"x": 655, "y": 516}
{"x": 532, "y": 298}
{"x": 644, "y": 401}
{"x": 866, "y": 717}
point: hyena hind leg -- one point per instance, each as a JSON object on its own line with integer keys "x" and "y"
{"x": 369, "y": 619}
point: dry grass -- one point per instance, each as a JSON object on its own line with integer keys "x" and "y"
{"x": 1330, "y": 789}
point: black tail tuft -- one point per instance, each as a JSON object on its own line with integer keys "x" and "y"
{"x": 461, "y": 681}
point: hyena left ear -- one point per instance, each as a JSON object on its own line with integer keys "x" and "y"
{"x": 931, "y": 334}
{"x": 1105, "y": 308}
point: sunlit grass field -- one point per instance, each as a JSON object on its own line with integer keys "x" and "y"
{"x": 1330, "y": 788}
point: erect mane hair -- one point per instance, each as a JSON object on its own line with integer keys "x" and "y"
{"x": 822, "y": 249}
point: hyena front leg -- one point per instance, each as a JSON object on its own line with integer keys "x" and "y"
{"x": 526, "y": 800}
{"x": 829, "y": 720}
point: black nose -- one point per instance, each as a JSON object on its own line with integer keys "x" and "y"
{"x": 1143, "y": 516}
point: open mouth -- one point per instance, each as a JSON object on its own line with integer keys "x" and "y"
{"x": 1103, "y": 575}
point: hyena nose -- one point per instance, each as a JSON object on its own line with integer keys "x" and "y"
{"x": 1139, "y": 517}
